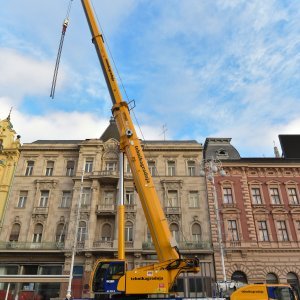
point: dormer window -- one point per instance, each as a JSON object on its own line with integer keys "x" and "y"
{"x": 222, "y": 153}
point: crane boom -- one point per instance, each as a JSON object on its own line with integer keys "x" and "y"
{"x": 163, "y": 274}
{"x": 130, "y": 144}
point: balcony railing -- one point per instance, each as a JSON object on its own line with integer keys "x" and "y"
{"x": 40, "y": 210}
{"x": 235, "y": 244}
{"x": 28, "y": 245}
{"x": 191, "y": 245}
{"x": 105, "y": 208}
{"x": 103, "y": 244}
{"x": 128, "y": 244}
{"x": 130, "y": 207}
{"x": 172, "y": 210}
{"x": 106, "y": 176}
{"x": 183, "y": 245}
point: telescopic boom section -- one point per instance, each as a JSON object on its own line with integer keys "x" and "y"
{"x": 130, "y": 144}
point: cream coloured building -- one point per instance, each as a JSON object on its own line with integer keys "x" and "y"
{"x": 9, "y": 155}
{"x": 39, "y": 226}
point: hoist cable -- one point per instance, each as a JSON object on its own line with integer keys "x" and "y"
{"x": 63, "y": 32}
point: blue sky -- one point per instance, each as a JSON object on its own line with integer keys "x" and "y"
{"x": 202, "y": 68}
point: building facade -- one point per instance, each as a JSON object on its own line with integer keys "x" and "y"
{"x": 9, "y": 155}
{"x": 259, "y": 208}
{"x": 53, "y": 177}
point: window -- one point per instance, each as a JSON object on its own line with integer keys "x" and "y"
{"x": 297, "y": 223}
{"x": 106, "y": 233}
{"x": 108, "y": 199}
{"x": 37, "y": 234}
{"x": 15, "y": 232}
{"x": 88, "y": 165}
{"x": 128, "y": 169}
{"x": 128, "y": 232}
{"x": 149, "y": 237}
{"x": 175, "y": 231}
{"x": 129, "y": 197}
{"x": 44, "y": 199}
{"x": 274, "y": 194}
{"x": 193, "y": 199}
{"x": 22, "y": 199}
{"x": 60, "y": 233}
{"x": 233, "y": 231}
{"x": 29, "y": 168}
{"x": 85, "y": 196}
{"x": 66, "y": 199}
{"x": 152, "y": 168}
{"x": 263, "y": 231}
{"x": 172, "y": 200}
{"x": 191, "y": 167}
{"x": 171, "y": 168}
{"x": 49, "y": 168}
{"x": 70, "y": 168}
{"x": 196, "y": 233}
{"x": 111, "y": 166}
{"x": 82, "y": 232}
{"x": 256, "y": 196}
{"x": 293, "y": 197}
{"x": 227, "y": 195}
{"x": 282, "y": 231}
{"x": 239, "y": 276}
{"x": 271, "y": 278}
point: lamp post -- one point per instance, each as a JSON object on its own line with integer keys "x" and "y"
{"x": 210, "y": 168}
{"x": 69, "y": 290}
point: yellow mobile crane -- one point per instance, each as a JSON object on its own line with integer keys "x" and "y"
{"x": 110, "y": 278}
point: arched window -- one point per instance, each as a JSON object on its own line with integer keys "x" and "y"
{"x": 106, "y": 233}
{"x": 81, "y": 235}
{"x": 60, "y": 233}
{"x": 293, "y": 280}
{"x": 37, "y": 233}
{"x": 271, "y": 278}
{"x": 175, "y": 231}
{"x": 196, "y": 233}
{"x": 239, "y": 276}
{"x": 15, "y": 232}
{"x": 128, "y": 231}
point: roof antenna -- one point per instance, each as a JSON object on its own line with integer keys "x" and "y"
{"x": 64, "y": 28}
{"x": 8, "y": 117}
{"x": 276, "y": 151}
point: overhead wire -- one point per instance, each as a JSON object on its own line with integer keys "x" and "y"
{"x": 64, "y": 28}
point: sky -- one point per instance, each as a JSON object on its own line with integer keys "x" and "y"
{"x": 195, "y": 69}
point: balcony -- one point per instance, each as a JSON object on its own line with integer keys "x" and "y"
{"x": 234, "y": 244}
{"x": 105, "y": 209}
{"x": 202, "y": 245}
{"x": 128, "y": 244}
{"x": 191, "y": 245}
{"x": 29, "y": 246}
{"x": 103, "y": 244}
{"x": 148, "y": 246}
{"x": 172, "y": 210}
{"x": 130, "y": 207}
{"x": 228, "y": 205}
{"x": 40, "y": 210}
{"x": 106, "y": 176}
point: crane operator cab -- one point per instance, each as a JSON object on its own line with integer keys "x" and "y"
{"x": 106, "y": 276}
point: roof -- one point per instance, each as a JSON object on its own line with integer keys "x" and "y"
{"x": 220, "y": 148}
{"x": 290, "y": 145}
{"x": 111, "y": 131}
{"x": 57, "y": 142}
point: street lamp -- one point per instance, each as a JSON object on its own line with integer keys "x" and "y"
{"x": 69, "y": 290}
{"x": 210, "y": 168}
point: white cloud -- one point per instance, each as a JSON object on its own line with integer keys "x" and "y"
{"x": 22, "y": 75}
